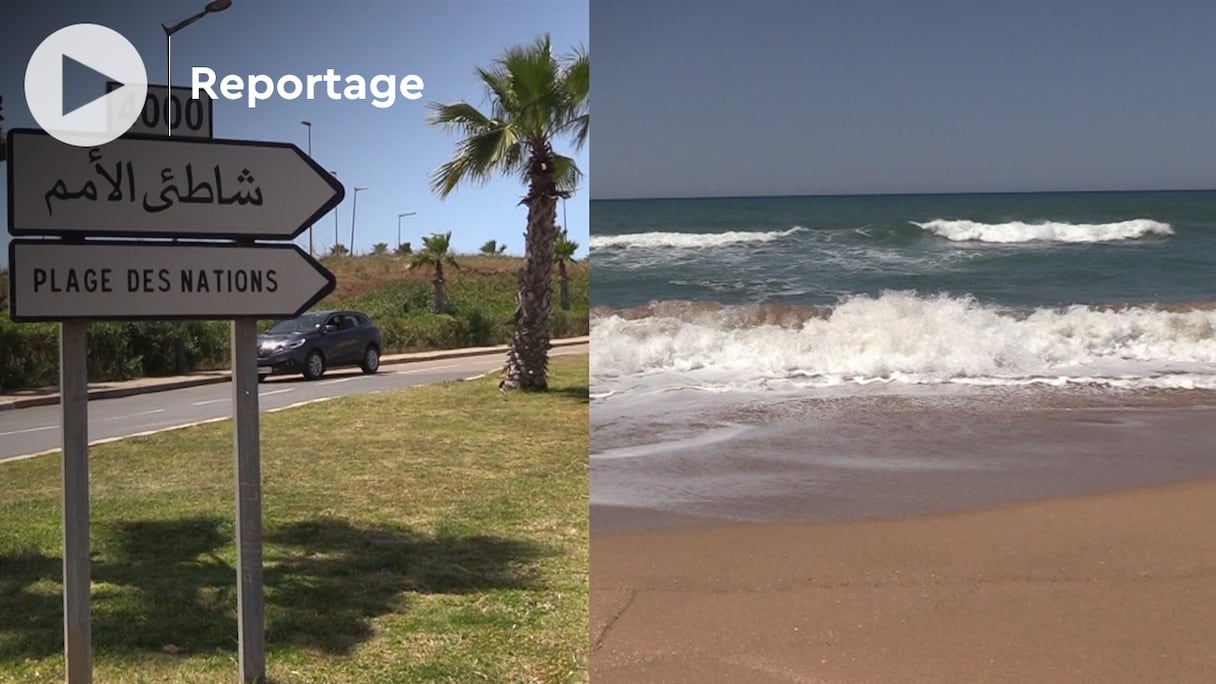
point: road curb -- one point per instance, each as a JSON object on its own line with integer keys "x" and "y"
{"x": 215, "y": 379}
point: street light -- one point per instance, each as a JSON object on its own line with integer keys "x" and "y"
{"x": 308, "y": 124}
{"x": 179, "y": 343}
{"x": 399, "y": 217}
{"x": 353, "y": 208}
{"x": 210, "y": 8}
{"x": 335, "y": 175}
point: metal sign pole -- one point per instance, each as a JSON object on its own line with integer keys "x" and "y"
{"x": 251, "y": 622}
{"x": 74, "y": 406}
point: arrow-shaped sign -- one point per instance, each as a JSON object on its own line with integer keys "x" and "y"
{"x": 57, "y": 281}
{"x": 154, "y": 186}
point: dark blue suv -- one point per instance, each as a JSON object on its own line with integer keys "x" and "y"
{"x": 319, "y": 340}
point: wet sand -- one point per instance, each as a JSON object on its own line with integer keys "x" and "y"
{"x": 861, "y": 458}
{"x": 993, "y": 541}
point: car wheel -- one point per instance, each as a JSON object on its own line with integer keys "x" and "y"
{"x": 314, "y": 367}
{"x": 371, "y": 360}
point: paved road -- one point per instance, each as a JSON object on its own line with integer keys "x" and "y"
{"x": 36, "y": 429}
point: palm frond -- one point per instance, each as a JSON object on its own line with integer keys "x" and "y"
{"x": 533, "y": 97}
{"x": 564, "y": 248}
{"x": 460, "y": 116}
{"x": 567, "y": 173}
{"x": 577, "y": 120}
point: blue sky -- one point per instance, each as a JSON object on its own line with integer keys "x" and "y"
{"x": 390, "y": 151}
{"x": 883, "y": 96}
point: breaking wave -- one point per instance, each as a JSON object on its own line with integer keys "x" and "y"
{"x": 900, "y": 337}
{"x": 1019, "y": 232}
{"x": 687, "y": 240}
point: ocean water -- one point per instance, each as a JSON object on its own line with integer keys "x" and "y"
{"x": 850, "y": 357}
{"x": 792, "y": 295}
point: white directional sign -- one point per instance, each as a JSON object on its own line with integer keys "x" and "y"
{"x": 163, "y": 111}
{"x": 57, "y": 281}
{"x": 155, "y": 186}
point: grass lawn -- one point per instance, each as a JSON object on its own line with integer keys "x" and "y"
{"x": 436, "y": 534}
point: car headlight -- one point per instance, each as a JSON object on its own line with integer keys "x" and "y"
{"x": 293, "y": 344}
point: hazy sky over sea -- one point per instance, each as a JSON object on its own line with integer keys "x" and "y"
{"x": 885, "y": 96}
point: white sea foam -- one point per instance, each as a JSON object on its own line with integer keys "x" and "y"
{"x": 1018, "y": 232}
{"x": 688, "y": 240}
{"x": 904, "y": 338}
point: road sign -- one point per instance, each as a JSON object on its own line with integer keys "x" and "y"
{"x": 190, "y": 118}
{"x": 155, "y": 186}
{"x": 50, "y": 280}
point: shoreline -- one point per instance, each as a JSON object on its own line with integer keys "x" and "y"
{"x": 1108, "y": 587}
{"x": 890, "y": 457}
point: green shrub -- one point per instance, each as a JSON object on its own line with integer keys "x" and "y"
{"x": 29, "y": 354}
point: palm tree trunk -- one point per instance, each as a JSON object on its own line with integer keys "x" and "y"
{"x": 528, "y": 356}
{"x": 564, "y": 279}
{"x": 440, "y": 295}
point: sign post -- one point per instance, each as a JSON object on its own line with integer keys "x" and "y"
{"x": 74, "y": 421}
{"x": 247, "y": 453}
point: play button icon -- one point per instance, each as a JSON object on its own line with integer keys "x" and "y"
{"x": 65, "y": 84}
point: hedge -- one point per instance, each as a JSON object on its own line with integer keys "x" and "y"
{"x": 479, "y": 313}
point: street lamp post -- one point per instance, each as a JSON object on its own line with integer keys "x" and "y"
{"x": 179, "y": 343}
{"x": 308, "y": 125}
{"x": 399, "y": 217}
{"x": 335, "y": 175}
{"x": 210, "y": 8}
{"x": 353, "y": 208}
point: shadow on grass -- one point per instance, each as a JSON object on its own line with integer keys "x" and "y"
{"x": 162, "y": 583}
{"x": 581, "y": 393}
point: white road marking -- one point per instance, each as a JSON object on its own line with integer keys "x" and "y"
{"x": 133, "y": 415}
{"x": 337, "y": 380}
{"x": 299, "y": 404}
{"x": 107, "y": 440}
{"x": 260, "y": 394}
{"x": 37, "y": 429}
{"x": 428, "y": 369}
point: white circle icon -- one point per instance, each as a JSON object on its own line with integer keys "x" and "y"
{"x": 70, "y": 111}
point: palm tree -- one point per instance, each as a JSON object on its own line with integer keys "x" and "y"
{"x": 492, "y": 247}
{"x": 534, "y": 98}
{"x": 563, "y": 251}
{"x": 435, "y": 253}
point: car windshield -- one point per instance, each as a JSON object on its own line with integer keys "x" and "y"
{"x": 305, "y": 323}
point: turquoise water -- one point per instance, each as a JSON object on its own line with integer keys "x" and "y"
{"x": 815, "y": 250}
{"x": 794, "y": 293}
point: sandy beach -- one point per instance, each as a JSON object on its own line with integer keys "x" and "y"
{"x": 1058, "y": 539}
{"x": 1118, "y": 587}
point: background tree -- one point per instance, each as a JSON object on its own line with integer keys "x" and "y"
{"x": 492, "y": 247}
{"x": 563, "y": 251}
{"x": 338, "y": 250}
{"x": 380, "y": 248}
{"x": 404, "y": 248}
{"x": 435, "y": 253}
{"x": 534, "y": 99}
